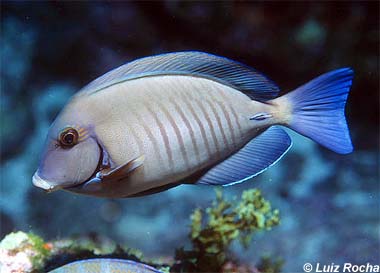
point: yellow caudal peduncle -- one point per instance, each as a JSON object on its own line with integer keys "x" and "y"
{"x": 281, "y": 109}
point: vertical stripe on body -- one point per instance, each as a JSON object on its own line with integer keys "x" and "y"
{"x": 218, "y": 120}
{"x": 161, "y": 103}
{"x": 177, "y": 99}
{"x": 226, "y": 114}
{"x": 133, "y": 125}
{"x": 148, "y": 132}
{"x": 189, "y": 128}
{"x": 207, "y": 105}
{"x": 136, "y": 138}
{"x": 219, "y": 114}
{"x": 229, "y": 122}
{"x": 192, "y": 116}
{"x": 187, "y": 101}
{"x": 164, "y": 135}
{"x": 209, "y": 124}
{"x": 177, "y": 133}
{"x": 234, "y": 114}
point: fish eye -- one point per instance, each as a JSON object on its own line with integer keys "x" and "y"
{"x": 69, "y": 137}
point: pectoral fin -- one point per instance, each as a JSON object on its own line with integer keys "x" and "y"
{"x": 108, "y": 174}
{"x": 120, "y": 172}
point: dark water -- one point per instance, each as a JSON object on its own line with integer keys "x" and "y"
{"x": 329, "y": 203}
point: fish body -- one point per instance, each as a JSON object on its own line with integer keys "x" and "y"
{"x": 104, "y": 265}
{"x": 187, "y": 117}
{"x": 182, "y": 124}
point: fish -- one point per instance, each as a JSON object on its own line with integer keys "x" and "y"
{"x": 185, "y": 118}
{"x": 105, "y": 265}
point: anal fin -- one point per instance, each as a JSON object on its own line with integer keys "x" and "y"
{"x": 254, "y": 158}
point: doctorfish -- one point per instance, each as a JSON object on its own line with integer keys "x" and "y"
{"x": 185, "y": 118}
{"x": 105, "y": 265}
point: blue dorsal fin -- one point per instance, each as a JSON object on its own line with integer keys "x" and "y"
{"x": 254, "y": 158}
{"x": 228, "y": 72}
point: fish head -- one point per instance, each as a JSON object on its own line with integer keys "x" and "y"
{"x": 71, "y": 156}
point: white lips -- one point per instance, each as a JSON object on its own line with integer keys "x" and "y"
{"x": 43, "y": 184}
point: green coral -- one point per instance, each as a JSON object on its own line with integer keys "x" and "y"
{"x": 226, "y": 221}
{"x": 41, "y": 250}
{"x": 85, "y": 244}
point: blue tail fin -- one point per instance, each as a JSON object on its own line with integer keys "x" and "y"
{"x": 318, "y": 110}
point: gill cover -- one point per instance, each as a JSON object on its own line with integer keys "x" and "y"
{"x": 63, "y": 166}
{"x": 108, "y": 175}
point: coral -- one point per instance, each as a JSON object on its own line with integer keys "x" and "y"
{"x": 27, "y": 252}
{"x": 226, "y": 222}
{"x": 12, "y": 263}
{"x": 210, "y": 236}
{"x": 13, "y": 240}
{"x": 23, "y": 252}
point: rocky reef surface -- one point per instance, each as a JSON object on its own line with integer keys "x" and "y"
{"x": 210, "y": 238}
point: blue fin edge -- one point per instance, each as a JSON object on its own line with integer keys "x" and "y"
{"x": 263, "y": 170}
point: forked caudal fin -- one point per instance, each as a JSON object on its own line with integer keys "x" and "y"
{"x": 317, "y": 110}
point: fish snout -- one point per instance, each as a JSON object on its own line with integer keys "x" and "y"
{"x": 43, "y": 184}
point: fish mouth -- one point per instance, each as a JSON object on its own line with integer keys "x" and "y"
{"x": 47, "y": 186}
{"x": 43, "y": 184}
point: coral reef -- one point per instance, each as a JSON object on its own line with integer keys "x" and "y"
{"x": 227, "y": 221}
{"x": 23, "y": 252}
{"x": 210, "y": 239}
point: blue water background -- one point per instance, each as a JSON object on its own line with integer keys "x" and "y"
{"x": 329, "y": 203}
